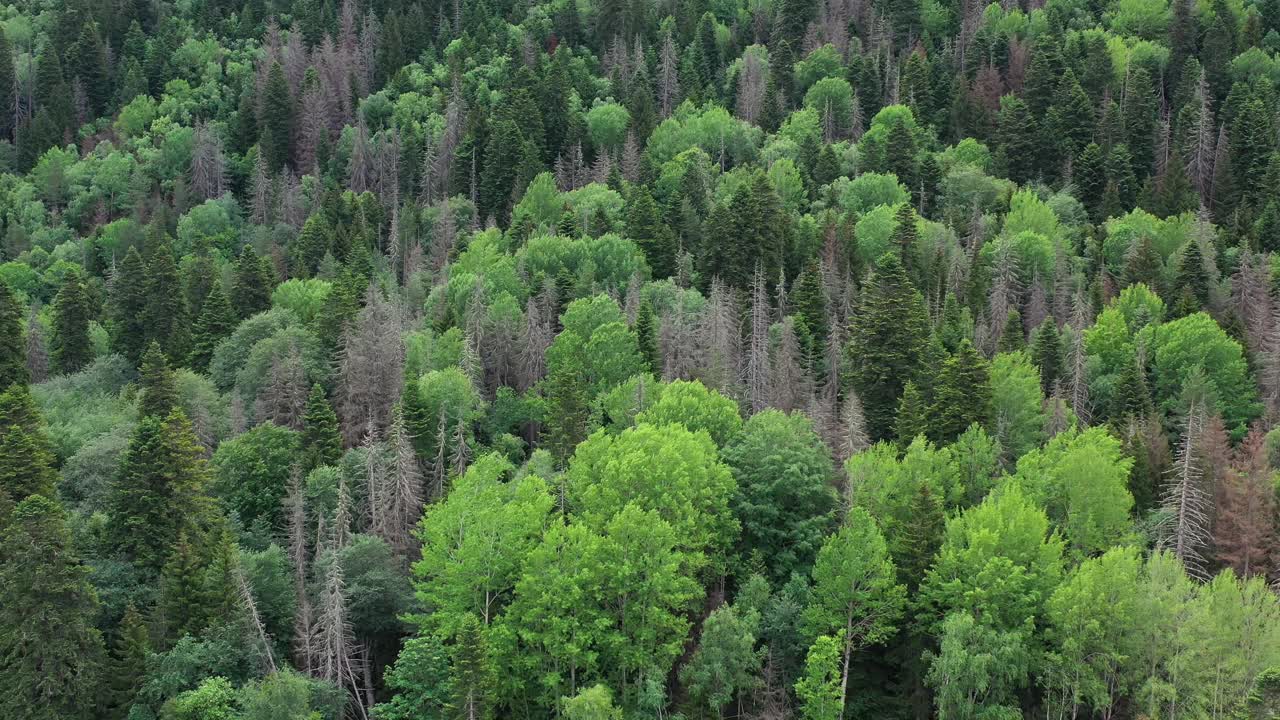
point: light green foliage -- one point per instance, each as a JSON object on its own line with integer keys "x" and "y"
{"x": 593, "y": 703}
{"x": 664, "y": 469}
{"x": 473, "y": 544}
{"x": 1177, "y": 348}
{"x": 607, "y": 123}
{"x": 691, "y": 404}
{"x": 819, "y": 690}
{"x": 1081, "y": 480}
{"x": 726, "y": 661}
{"x": 874, "y": 232}
{"x": 251, "y": 472}
{"x": 855, "y": 586}
{"x": 998, "y": 561}
{"x": 823, "y": 62}
{"x": 304, "y": 298}
{"x": 215, "y": 699}
{"x": 977, "y": 670}
{"x": 710, "y": 129}
{"x": 1017, "y": 403}
{"x": 869, "y": 190}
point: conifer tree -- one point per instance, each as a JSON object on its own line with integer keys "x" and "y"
{"x": 13, "y": 351}
{"x": 889, "y": 334}
{"x": 1142, "y": 264}
{"x": 156, "y": 381}
{"x": 913, "y": 415}
{"x": 165, "y": 315}
{"x": 182, "y": 604}
{"x": 128, "y": 306}
{"x": 159, "y": 491}
{"x": 1089, "y": 174}
{"x": 653, "y": 236}
{"x": 50, "y": 648}
{"x": 252, "y": 286}
{"x": 962, "y": 396}
{"x": 216, "y": 323}
{"x": 474, "y": 676}
{"x": 808, "y": 299}
{"x": 7, "y": 86}
{"x": 647, "y": 337}
{"x": 321, "y": 439}
{"x": 1011, "y": 336}
{"x": 1046, "y": 353}
{"x": 127, "y": 664}
{"x": 276, "y": 143}
{"x": 26, "y": 467}
{"x": 72, "y": 350}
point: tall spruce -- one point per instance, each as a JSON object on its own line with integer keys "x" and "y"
{"x": 128, "y": 306}
{"x": 13, "y": 350}
{"x": 72, "y": 311}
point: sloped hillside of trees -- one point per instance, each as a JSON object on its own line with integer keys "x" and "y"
{"x": 643, "y": 359}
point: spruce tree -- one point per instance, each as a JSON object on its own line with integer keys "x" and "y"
{"x": 128, "y": 306}
{"x": 1011, "y": 337}
{"x": 216, "y": 323}
{"x": 650, "y": 233}
{"x": 6, "y": 88}
{"x": 647, "y": 337}
{"x": 13, "y": 348}
{"x": 1192, "y": 279}
{"x": 1142, "y": 264}
{"x": 165, "y": 315}
{"x": 1089, "y": 174}
{"x": 159, "y": 490}
{"x": 1046, "y": 353}
{"x": 156, "y": 383}
{"x": 808, "y": 300}
{"x": 72, "y": 350}
{"x": 913, "y": 415}
{"x": 276, "y": 142}
{"x": 889, "y": 334}
{"x": 962, "y": 395}
{"x": 26, "y": 467}
{"x": 50, "y": 648}
{"x": 127, "y": 664}
{"x": 252, "y": 286}
{"x": 182, "y": 604}
{"x": 474, "y": 676}
{"x": 321, "y": 438}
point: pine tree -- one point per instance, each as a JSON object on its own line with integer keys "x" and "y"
{"x": 128, "y": 306}
{"x": 913, "y": 419}
{"x": 156, "y": 382}
{"x": 13, "y": 350}
{"x": 252, "y": 286}
{"x": 890, "y": 332}
{"x": 962, "y": 395}
{"x": 1046, "y": 353}
{"x": 1133, "y": 397}
{"x": 127, "y": 664}
{"x": 6, "y": 89}
{"x": 321, "y": 439}
{"x": 216, "y": 323}
{"x": 159, "y": 491}
{"x": 72, "y": 350}
{"x": 647, "y": 337}
{"x": 165, "y": 315}
{"x": 50, "y": 649}
{"x": 650, "y": 233}
{"x": 276, "y": 143}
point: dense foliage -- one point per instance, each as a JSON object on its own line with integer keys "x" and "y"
{"x": 603, "y": 359}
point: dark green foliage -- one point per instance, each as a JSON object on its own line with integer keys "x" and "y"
{"x": 216, "y": 323}
{"x": 13, "y": 349}
{"x": 127, "y": 663}
{"x": 650, "y": 233}
{"x": 50, "y": 650}
{"x": 1046, "y": 353}
{"x": 159, "y": 394}
{"x": 646, "y": 336}
{"x": 913, "y": 415}
{"x": 321, "y": 439}
{"x": 889, "y": 334}
{"x": 71, "y": 315}
{"x": 276, "y": 143}
{"x": 165, "y": 315}
{"x": 962, "y": 395}
{"x": 129, "y": 300}
{"x": 6, "y": 88}
{"x": 251, "y": 288}
{"x": 26, "y": 467}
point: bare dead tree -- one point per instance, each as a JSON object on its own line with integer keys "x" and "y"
{"x": 720, "y": 334}
{"x": 1245, "y": 529}
{"x": 262, "y": 203}
{"x": 250, "y": 607}
{"x": 360, "y": 167}
{"x": 443, "y": 237}
{"x": 208, "y": 164}
{"x": 296, "y": 520}
{"x": 757, "y": 367}
{"x": 439, "y": 464}
{"x": 461, "y": 457}
{"x": 678, "y": 342}
{"x": 629, "y": 160}
{"x": 536, "y": 337}
{"x": 571, "y": 170}
{"x": 1199, "y": 142}
{"x": 370, "y": 372}
{"x": 668, "y": 77}
{"x": 37, "y": 349}
{"x": 752, "y": 83}
{"x": 1251, "y": 295}
{"x": 339, "y": 656}
{"x": 1187, "y": 501}
{"x": 1079, "y": 383}
{"x": 789, "y": 384}
{"x": 283, "y": 400}
{"x": 342, "y": 515}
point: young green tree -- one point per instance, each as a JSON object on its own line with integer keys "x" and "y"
{"x": 128, "y": 306}
{"x": 216, "y": 323}
{"x": 321, "y": 438}
{"x": 50, "y": 648}
{"x": 726, "y": 662}
{"x": 962, "y": 396}
{"x": 165, "y": 315}
{"x": 855, "y": 590}
{"x": 127, "y": 664}
{"x": 156, "y": 383}
{"x": 820, "y": 690}
{"x": 276, "y": 142}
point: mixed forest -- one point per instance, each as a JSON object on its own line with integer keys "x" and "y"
{"x": 621, "y": 359}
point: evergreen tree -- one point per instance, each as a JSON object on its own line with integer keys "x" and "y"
{"x": 647, "y": 337}
{"x": 913, "y": 415}
{"x": 321, "y": 438}
{"x": 156, "y": 381}
{"x": 13, "y": 348}
{"x": 808, "y": 299}
{"x": 1089, "y": 174}
{"x": 1018, "y": 134}
{"x": 650, "y": 233}
{"x": 276, "y": 143}
{"x": 6, "y": 89}
{"x": 128, "y": 306}
{"x": 165, "y": 315}
{"x": 216, "y": 323}
{"x": 962, "y": 395}
{"x": 50, "y": 649}
{"x": 1011, "y": 336}
{"x": 182, "y": 604}
{"x": 1142, "y": 264}
{"x": 252, "y": 286}
{"x": 1046, "y": 353}
{"x": 474, "y": 676}
{"x": 26, "y": 467}
{"x": 72, "y": 349}
{"x": 159, "y": 491}
{"x": 127, "y": 664}
{"x": 889, "y": 334}
{"x": 1192, "y": 280}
